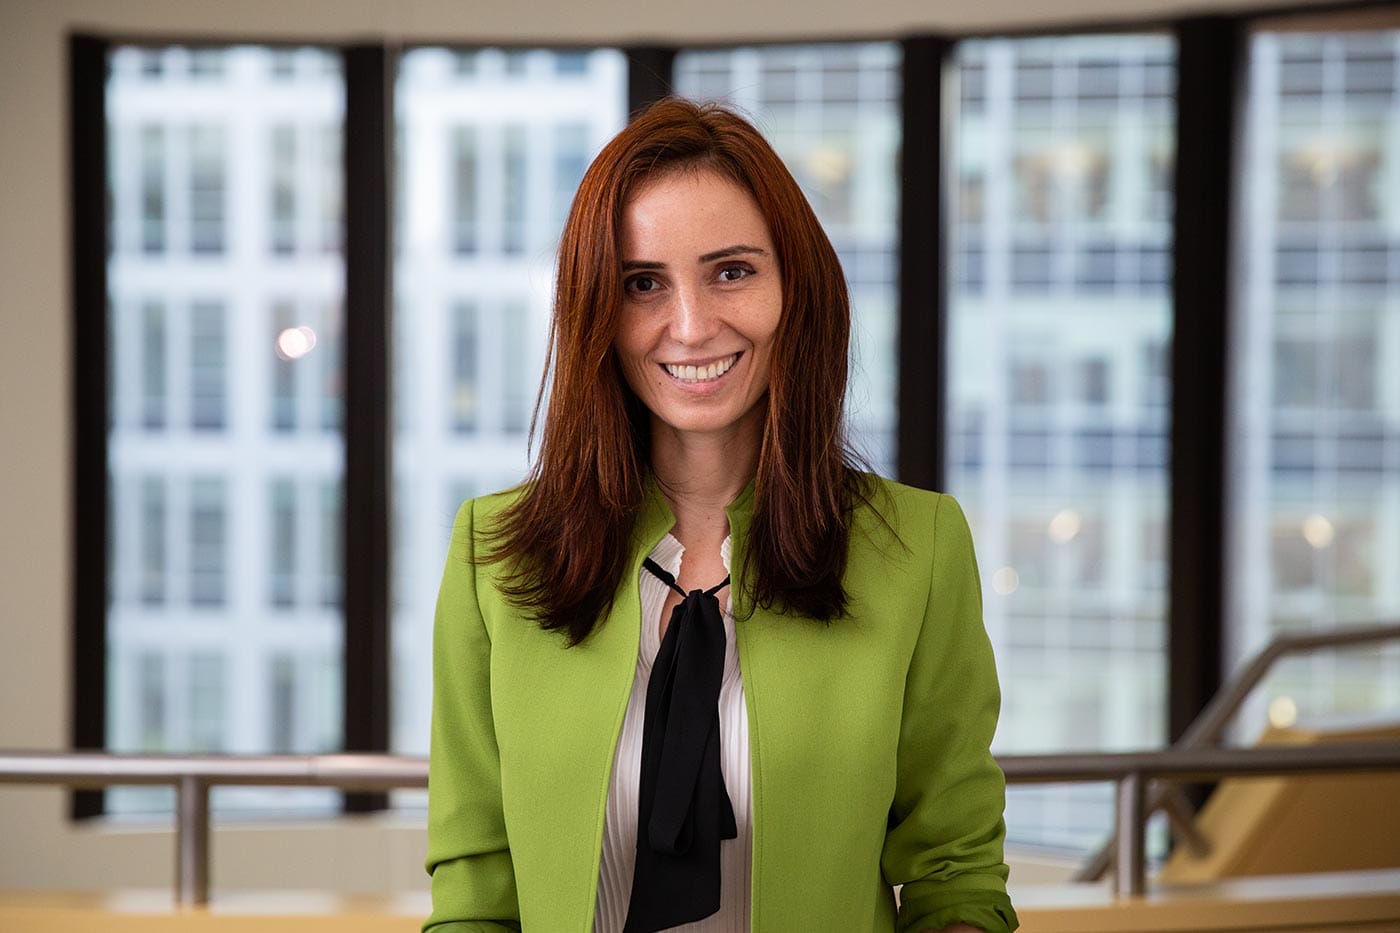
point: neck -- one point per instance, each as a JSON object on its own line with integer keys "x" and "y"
{"x": 700, "y": 474}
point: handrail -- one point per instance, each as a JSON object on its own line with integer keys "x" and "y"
{"x": 194, "y": 775}
{"x": 1207, "y": 729}
{"x": 87, "y": 770}
{"x": 1210, "y": 725}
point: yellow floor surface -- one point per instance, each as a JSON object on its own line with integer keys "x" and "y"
{"x": 1345, "y": 902}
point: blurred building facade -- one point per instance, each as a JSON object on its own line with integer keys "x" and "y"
{"x": 227, "y": 448}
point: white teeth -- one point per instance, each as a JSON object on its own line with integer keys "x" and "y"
{"x": 707, "y": 373}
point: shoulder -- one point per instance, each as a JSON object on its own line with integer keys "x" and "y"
{"x": 907, "y": 512}
{"x": 899, "y": 531}
{"x": 484, "y": 512}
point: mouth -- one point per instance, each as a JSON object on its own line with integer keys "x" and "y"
{"x": 707, "y": 372}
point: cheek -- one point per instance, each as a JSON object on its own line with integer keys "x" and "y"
{"x": 766, "y": 327}
{"x": 631, "y": 348}
{"x": 629, "y": 342}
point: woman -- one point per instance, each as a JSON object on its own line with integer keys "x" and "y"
{"x": 700, "y": 669}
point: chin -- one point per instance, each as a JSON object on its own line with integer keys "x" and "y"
{"x": 700, "y": 423}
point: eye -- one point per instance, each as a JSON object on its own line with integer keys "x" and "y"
{"x": 735, "y": 273}
{"x": 641, "y": 284}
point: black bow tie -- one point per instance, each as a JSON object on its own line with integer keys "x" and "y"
{"x": 683, "y": 808}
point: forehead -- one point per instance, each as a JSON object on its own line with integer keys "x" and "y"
{"x": 687, "y": 212}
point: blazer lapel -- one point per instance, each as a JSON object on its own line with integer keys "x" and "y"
{"x": 567, "y": 709}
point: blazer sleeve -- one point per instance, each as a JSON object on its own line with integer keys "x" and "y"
{"x": 473, "y": 880}
{"x": 944, "y": 844}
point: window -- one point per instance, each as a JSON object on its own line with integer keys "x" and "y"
{"x": 154, "y": 366}
{"x": 226, "y": 404}
{"x": 283, "y": 63}
{"x": 153, "y": 189}
{"x": 1093, "y": 381}
{"x": 227, "y": 397}
{"x": 1318, "y": 400}
{"x": 154, "y": 564}
{"x": 206, "y": 707}
{"x": 329, "y": 395}
{"x": 832, "y": 114}
{"x": 151, "y": 684}
{"x": 516, "y": 394}
{"x": 283, "y": 207}
{"x": 465, "y": 220}
{"x": 207, "y": 542}
{"x": 483, "y": 192}
{"x": 206, "y": 63}
{"x": 290, "y": 343}
{"x": 207, "y": 189}
{"x": 514, "y": 181}
{"x": 571, "y": 154}
{"x": 570, "y": 63}
{"x": 465, "y": 391}
{"x": 282, "y": 549}
{"x": 282, "y": 709}
{"x": 207, "y": 353}
{"x": 331, "y": 545}
{"x": 328, "y": 157}
{"x": 1058, "y": 144}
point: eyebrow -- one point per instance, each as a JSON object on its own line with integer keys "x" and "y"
{"x": 738, "y": 249}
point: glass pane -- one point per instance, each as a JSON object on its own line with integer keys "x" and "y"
{"x": 1316, "y": 533}
{"x": 492, "y": 145}
{"x": 225, "y": 628}
{"x": 1057, "y": 436}
{"x": 832, "y": 113}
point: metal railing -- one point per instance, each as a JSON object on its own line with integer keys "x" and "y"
{"x": 1208, "y": 728}
{"x": 1189, "y": 761}
{"x": 193, "y": 776}
{"x": 1131, "y": 772}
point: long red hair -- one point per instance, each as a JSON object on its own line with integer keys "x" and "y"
{"x": 566, "y": 539}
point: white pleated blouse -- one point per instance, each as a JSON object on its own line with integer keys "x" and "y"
{"x": 620, "y": 828}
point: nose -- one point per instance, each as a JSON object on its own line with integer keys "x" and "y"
{"x": 693, "y": 318}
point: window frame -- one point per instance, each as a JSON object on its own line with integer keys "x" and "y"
{"x": 1211, "y": 61}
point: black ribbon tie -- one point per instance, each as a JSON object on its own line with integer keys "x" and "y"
{"x": 683, "y": 808}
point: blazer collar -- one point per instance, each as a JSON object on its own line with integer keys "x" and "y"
{"x": 656, "y": 519}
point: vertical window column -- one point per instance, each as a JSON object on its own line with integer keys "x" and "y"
{"x": 1208, "y": 103}
{"x": 368, "y": 292}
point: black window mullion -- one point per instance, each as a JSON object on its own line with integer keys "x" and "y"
{"x": 650, "y": 76}
{"x": 87, "y": 139}
{"x": 1210, "y": 61}
{"x": 923, "y": 280}
{"x": 368, "y": 139}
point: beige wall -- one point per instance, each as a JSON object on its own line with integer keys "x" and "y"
{"x": 39, "y": 847}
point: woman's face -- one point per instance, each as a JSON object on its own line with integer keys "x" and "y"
{"x": 701, "y": 300}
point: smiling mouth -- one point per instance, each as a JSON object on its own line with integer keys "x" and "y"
{"x": 707, "y": 373}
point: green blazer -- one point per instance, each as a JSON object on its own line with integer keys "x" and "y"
{"x": 868, "y": 739}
